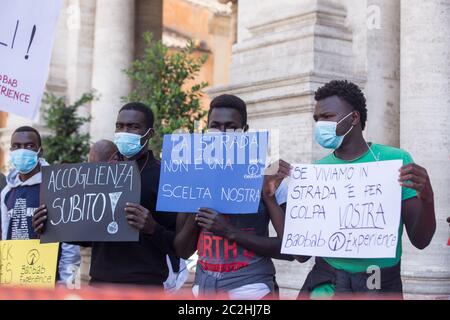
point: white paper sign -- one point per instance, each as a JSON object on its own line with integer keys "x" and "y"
{"x": 346, "y": 211}
{"x": 27, "y": 30}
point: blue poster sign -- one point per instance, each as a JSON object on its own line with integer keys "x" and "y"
{"x": 221, "y": 171}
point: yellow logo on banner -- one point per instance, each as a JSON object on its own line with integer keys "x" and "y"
{"x": 28, "y": 263}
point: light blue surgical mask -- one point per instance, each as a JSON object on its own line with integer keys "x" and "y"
{"x": 325, "y": 133}
{"x": 129, "y": 144}
{"x": 24, "y": 160}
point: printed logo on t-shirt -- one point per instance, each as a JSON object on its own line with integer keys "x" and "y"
{"x": 218, "y": 254}
{"x": 20, "y": 225}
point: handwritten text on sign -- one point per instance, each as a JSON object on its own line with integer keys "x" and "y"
{"x": 223, "y": 171}
{"x": 86, "y": 202}
{"x": 347, "y": 211}
{"x": 26, "y": 40}
{"x": 28, "y": 263}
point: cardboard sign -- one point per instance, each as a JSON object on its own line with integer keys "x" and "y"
{"x": 28, "y": 263}
{"x": 86, "y": 202}
{"x": 26, "y": 41}
{"x": 346, "y": 211}
{"x": 222, "y": 171}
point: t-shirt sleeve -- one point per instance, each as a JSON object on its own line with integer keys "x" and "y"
{"x": 408, "y": 193}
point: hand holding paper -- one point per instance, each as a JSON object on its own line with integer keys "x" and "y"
{"x": 39, "y": 219}
{"x": 273, "y": 175}
{"x": 214, "y": 222}
{"x": 140, "y": 218}
{"x": 416, "y": 177}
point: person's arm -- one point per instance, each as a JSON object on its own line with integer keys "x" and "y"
{"x": 273, "y": 178}
{"x": 418, "y": 213}
{"x": 187, "y": 232}
{"x": 276, "y": 212}
{"x": 140, "y": 218}
{"x": 214, "y": 222}
{"x": 277, "y": 216}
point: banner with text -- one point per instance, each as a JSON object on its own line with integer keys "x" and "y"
{"x": 346, "y": 211}
{"x": 86, "y": 201}
{"x": 222, "y": 171}
{"x": 28, "y": 263}
{"x": 26, "y": 41}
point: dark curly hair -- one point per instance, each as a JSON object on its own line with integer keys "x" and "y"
{"x": 347, "y": 91}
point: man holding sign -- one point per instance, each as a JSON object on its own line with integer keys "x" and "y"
{"x": 234, "y": 250}
{"x": 142, "y": 262}
{"x": 340, "y": 116}
{"x": 20, "y": 197}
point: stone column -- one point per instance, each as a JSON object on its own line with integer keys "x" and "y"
{"x": 234, "y": 14}
{"x": 81, "y": 28}
{"x": 57, "y": 75}
{"x": 80, "y": 47}
{"x": 425, "y": 131}
{"x": 382, "y": 26}
{"x": 113, "y": 52}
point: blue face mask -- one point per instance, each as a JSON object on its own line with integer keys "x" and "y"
{"x": 24, "y": 160}
{"x": 325, "y": 133}
{"x": 129, "y": 144}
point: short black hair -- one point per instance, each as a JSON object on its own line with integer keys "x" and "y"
{"x": 137, "y": 106}
{"x": 347, "y": 91}
{"x": 232, "y": 102}
{"x": 29, "y": 129}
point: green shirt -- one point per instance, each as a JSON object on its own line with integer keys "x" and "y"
{"x": 353, "y": 265}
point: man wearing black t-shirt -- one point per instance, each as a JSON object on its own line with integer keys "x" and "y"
{"x": 142, "y": 262}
